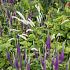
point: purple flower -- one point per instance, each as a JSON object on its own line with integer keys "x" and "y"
{"x": 11, "y": 1}
{"x": 61, "y": 57}
{"x": 56, "y": 64}
{"x": 18, "y": 49}
{"x": 16, "y": 64}
{"x": 11, "y": 20}
{"x": 48, "y": 42}
{"x": 3, "y": 1}
{"x": 28, "y": 65}
{"x": 19, "y": 54}
{"x": 43, "y": 62}
{"x": 8, "y": 57}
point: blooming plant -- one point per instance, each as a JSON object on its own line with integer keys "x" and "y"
{"x": 34, "y": 35}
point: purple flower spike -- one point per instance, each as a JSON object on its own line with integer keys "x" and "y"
{"x": 61, "y": 57}
{"x": 3, "y": 1}
{"x": 18, "y": 49}
{"x": 8, "y": 57}
{"x": 11, "y": 1}
{"x": 43, "y": 63}
{"x": 56, "y": 64}
{"x": 28, "y": 65}
{"x": 16, "y": 64}
{"x": 48, "y": 42}
{"x": 11, "y": 20}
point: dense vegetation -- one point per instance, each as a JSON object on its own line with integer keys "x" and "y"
{"x": 34, "y": 34}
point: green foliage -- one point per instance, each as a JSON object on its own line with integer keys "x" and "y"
{"x": 57, "y": 20}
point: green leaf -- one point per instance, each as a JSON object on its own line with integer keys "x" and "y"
{"x": 31, "y": 37}
{"x": 2, "y": 62}
{"x": 67, "y": 49}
